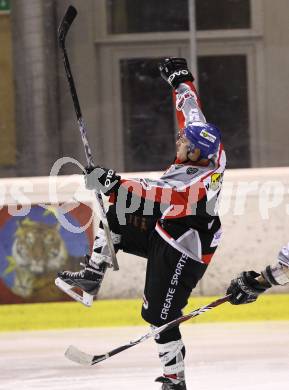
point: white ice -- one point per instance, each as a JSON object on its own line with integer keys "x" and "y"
{"x": 242, "y": 356}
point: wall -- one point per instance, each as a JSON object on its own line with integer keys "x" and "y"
{"x": 36, "y": 95}
{"x": 250, "y": 240}
{"x": 45, "y": 119}
{"x": 42, "y": 230}
{"x": 276, "y": 60}
{"x": 255, "y": 216}
{"x": 253, "y": 239}
{"x": 7, "y": 113}
{"x": 84, "y": 65}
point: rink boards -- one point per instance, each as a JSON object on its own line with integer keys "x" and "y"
{"x": 255, "y": 221}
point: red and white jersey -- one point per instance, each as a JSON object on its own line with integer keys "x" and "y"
{"x": 183, "y": 188}
{"x": 187, "y": 194}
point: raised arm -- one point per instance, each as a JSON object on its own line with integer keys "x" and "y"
{"x": 188, "y": 106}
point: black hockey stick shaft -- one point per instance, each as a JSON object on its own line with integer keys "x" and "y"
{"x": 64, "y": 27}
{"x": 162, "y": 329}
{"x": 80, "y": 357}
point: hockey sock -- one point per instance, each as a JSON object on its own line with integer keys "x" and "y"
{"x": 100, "y": 252}
{"x": 172, "y": 355}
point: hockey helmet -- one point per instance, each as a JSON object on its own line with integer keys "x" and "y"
{"x": 204, "y": 136}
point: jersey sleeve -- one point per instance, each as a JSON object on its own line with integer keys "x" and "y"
{"x": 175, "y": 194}
{"x": 188, "y": 105}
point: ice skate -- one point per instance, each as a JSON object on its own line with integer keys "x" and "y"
{"x": 171, "y": 384}
{"x": 88, "y": 280}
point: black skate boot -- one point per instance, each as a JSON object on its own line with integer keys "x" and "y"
{"x": 168, "y": 384}
{"x": 88, "y": 280}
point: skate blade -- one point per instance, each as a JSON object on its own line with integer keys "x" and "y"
{"x": 86, "y": 299}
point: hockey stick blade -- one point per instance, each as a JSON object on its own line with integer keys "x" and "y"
{"x": 77, "y": 356}
{"x": 65, "y": 24}
{"x": 86, "y": 359}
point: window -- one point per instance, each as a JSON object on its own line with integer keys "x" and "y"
{"x": 223, "y": 14}
{"x": 148, "y": 116}
{"x": 227, "y": 41}
{"x": 223, "y": 88}
{"x": 141, "y": 16}
{"x": 4, "y": 6}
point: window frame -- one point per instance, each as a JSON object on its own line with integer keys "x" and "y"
{"x": 102, "y": 36}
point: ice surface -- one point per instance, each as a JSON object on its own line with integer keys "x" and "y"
{"x": 219, "y": 356}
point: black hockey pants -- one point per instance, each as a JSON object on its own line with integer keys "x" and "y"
{"x": 170, "y": 275}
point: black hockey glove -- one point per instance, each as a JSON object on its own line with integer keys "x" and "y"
{"x": 175, "y": 71}
{"x": 101, "y": 179}
{"x": 246, "y": 288}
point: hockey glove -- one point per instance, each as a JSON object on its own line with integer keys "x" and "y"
{"x": 101, "y": 179}
{"x": 246, "y": 288}
{"x": 175, "y": 71}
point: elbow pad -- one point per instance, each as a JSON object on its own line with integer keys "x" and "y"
{"x": 283, "y": 255}
{"x": 186, "y": 101}
{"x": 276, "y": 274}
{"x": 279, "y": 274}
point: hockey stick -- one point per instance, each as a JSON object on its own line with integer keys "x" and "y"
{"x": 86, "y": 359}
{"x": 66, "y": 22}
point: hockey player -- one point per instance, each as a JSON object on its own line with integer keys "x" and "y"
{"x": 175, "y": 226}
{"x": 249, "y": 285}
